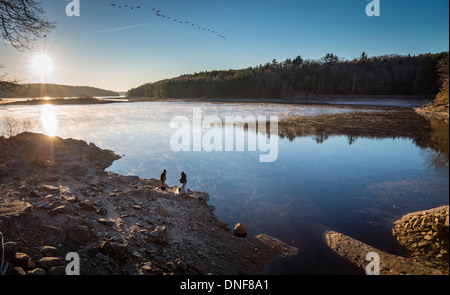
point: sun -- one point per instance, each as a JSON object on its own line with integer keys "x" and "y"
{"x": 42, "y": 65}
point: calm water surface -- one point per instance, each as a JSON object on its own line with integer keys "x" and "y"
{"x": 358, "y": 189}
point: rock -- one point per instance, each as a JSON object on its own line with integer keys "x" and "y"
{"x": 428, "y": 237}
{"x": 119, "y": 249}
{"x": 18, "y": 271}
{"x": 105, "y": 248}
{"x": 79, "y": 234}
{"x": 102, "y": 211}
{"x": 10, "y": 249}
{"x": 26, "y": 208}
{"x": 106, "y": 222}
{"x": 21, "y": 259}
{"x": 59, "y": 210}
{"x": 446, "y": 220}
{"x": 48, "y": 262}
{"x": 87, "y": 206}
{"x": 159, "y": 235}
{"x": 171, "y": 266}
{"x": 240, "y": 230}
{"x": 43, "y": 204}
{"x": 181, "y": 266}
{"x": 147, "y": 267}
{"x": 51, "y": 189}
{"x": 109, "y": 248}
{"x": 37, "y": 272}
{"x": 48, "y": 251}
{"x": 57, "y": 271}
{"x": 33, "y": 194}
{"x": 422, "y": 244}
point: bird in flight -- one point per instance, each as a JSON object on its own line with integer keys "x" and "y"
{"x": 158, "y": 13}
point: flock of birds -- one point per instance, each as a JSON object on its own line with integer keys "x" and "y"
{"x": 159, "y": 14}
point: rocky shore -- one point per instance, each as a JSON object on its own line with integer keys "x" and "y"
{"x": 424, "y": 234}
{"x": 57, "y": 198}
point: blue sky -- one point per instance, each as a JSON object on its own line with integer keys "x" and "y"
{"x": 119, "y": 49}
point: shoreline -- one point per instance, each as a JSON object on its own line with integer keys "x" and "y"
{"x": 334, "y": 100}
{"x": 57, "y": 195}
{"x": 408, "y": 101}
{"x": 425, "y": 234}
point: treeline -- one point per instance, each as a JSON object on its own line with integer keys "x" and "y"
{"x": 51, "y": 90}
{"x": 382, "y": 75}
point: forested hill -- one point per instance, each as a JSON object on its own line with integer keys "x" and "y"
{"x": 52, "y": 90}
{"x": 382, "y": 75}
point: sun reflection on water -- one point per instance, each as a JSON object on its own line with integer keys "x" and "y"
{"x": 49, "y": 120}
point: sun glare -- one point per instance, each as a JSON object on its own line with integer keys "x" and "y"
{"x": 49, "y": 120}
{"x": 42, "y": 65}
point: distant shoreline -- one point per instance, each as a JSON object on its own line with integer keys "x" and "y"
{"x": 62, "y": 101}
{"x": 409, "y": 101}
{"x": 335, "y": 100}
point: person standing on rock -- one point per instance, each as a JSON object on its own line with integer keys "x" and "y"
{"x": 183, "y": 181}
{"x": 162, "y": 179}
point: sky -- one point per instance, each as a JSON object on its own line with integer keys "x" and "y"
{"x": 119, "y": 48}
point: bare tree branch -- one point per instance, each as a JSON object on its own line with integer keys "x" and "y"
{"x": 22, "y": 21}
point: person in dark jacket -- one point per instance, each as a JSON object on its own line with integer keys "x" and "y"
{"x": 183, "y": 181}
{"x": 162, "y": 179}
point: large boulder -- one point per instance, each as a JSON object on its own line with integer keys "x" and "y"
{"x": 240, "y": 230}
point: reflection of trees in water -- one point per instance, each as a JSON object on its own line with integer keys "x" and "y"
{"x": 434, "y": 159}
{"x": 431, "y": 136}
{"x": 437, "y": 153}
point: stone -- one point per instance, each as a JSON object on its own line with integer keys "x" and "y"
{"x": 48, "y": 251}
{"x": 59, "y": 210}
{"x": 181, "y": 266}
{"x": 33, "y": 194}
{"x": 102, "y": 211}
{"x": 26, "y": 208}
{"x": 108, "y": 248}
{"x": 106, "y": 222}
{"x": 37, "y": 272}
{"x": 48, "y": 262}
{"x": 21, "y": 259}
{"x": 43, "y": 204}
{"x": 159, "y": 234}
{"x": 51, "y": 189}
{"x": 119, "y": 249}
{"x": 18, "y": 271}
{"x": 422, "y": 244}
{"x": 240, "y": 230}
{"x": 87, "y": 206}
{"x": 428, "y": 238}
{"x": 171, "y": 266}
{"x": 446, "y": 220}
{"x": 10, "y": 249}
{"x": 80, "y": 234}
{"x": 105, "y": 248}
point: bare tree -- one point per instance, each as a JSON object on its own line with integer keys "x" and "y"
{"x": 22, "y": 21}
{"x": 13, "y": 126}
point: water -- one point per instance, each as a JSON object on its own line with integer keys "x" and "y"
{"x": 358, "y": 189}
